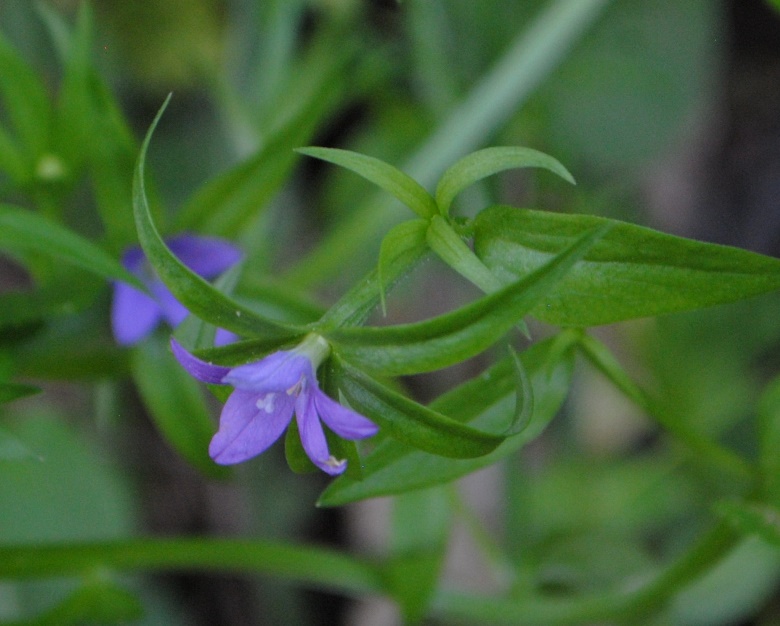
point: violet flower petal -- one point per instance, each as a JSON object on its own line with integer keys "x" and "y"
{"x": 133, "y": 314}
{"x": 279, "y": 371}
{"x": 197, "y": 368}
{"x": 313, "y": 437}
{"x": 171, "y": 310}
{"x": 133, "y": 260}
{"x": 206, "y": 256}
{"x": 249, "y": 424}
{"x": 341, "y": 420}
{"x": 224, "y": 337}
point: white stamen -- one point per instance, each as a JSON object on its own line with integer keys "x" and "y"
{"x": 335, "y": 463}
{"x": 295, "y": 390}
{"x": 266, "y": 402}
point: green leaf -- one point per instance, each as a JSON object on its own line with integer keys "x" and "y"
{"x": 454, "y": 337}
{"x": 631, "y": 272}
{"x": 451, "y": 249}
{"x": 110, "y": 160}
{"x": 382, "y": 174}
{"x": 22, "y": 230}
{"x": 487, "y": 401}
{"x": 421, "y": 526}
{"x": 753, "y": 518}
{"x": 769, "y": 442}
{"x": 25, "y": 101}
{"x": 11, "y": 160}
{"x": 176, "y": 404}
{"x": 297, "y": 459}
{"x": 97, "y": 602}
{"x": 90, "y": 129}
{"x": 524, "y": 396}
{"x": 11, "y": 447}
{"x": 404, "y": 240}
{"x": 224, "y": 204}
{"x": 74, "y": 109}
{"x": 191, "y": 290}
{"x": 527, "y": 61}
{"x": 69, "y": 348}
{"x": 75, "y": 495}
{"x": 356, "y": 305}
{"x": 14, "y": 391}
{"x": 409, "y": 422}
{"x": 484, "y": 163}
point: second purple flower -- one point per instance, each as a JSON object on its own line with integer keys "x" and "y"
{"x": 134, "y": 314}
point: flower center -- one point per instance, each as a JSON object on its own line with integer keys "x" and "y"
{"x": 266, "y": 402}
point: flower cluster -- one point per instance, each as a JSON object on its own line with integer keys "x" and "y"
{"x": 266, "y": 394}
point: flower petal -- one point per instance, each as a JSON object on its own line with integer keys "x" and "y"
{"x": 249, "y": 424}
{"x": 313, "y": 437}
{"x": 341, "y": 420}
{"x": 197, "y": 368}
{"x": 224, "y": 337}
{"x": 173, "y": 311}
{"x": 206, "y": 256}
{"x": 279, "y": 371}
{"x": 133, "y": 260}
{"x": 133, "y": 314}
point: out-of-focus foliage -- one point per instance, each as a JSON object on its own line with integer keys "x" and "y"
{"x": 637, "y": 474}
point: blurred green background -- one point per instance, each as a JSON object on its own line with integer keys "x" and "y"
{"x": 666, "y": 112}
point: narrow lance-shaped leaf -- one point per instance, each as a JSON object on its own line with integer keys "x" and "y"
{"x": 228, "y": 202}
{"x": 382, "y": 174}
{"x": 62, "y": 297}
{"x": 484, "y": 163}
{"x": 632, "y": 272}
{"x": 24, "y": 230}
{"x": 486, "y": 402}
{"x": 524, "y": 396}
{"x": 356, "y": 305}
{"x": 13, "y": 391}
{"x": 404, "y": 240}
{"x": 451, "y": 249}
{"x": 752, "y": 518}
{"x": 24, "y": 100}
{"x": 454, "y": 337}
{"x": 769, "y": 442}
{"x": 410, "y": 422}
{"x": 191, "y": 290}
{"x": 11, "y": 160}
{"x": 533, "y": 54}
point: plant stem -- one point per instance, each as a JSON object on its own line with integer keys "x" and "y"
{"x": 317, "y": 567}
{"x": 608, "y": 607}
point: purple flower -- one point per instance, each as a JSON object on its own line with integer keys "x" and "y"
{"x": 134, "y": 314}
{"x": 266, "y": 394}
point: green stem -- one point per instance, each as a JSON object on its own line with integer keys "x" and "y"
{"x": 451, "y": 249}
{"x": 504, "y": 571}
{"x": 529, "y": 59}
{"x": 317, "y": 567}
{"x": 704, "y": 449}
{"x": 598, "y": 608}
